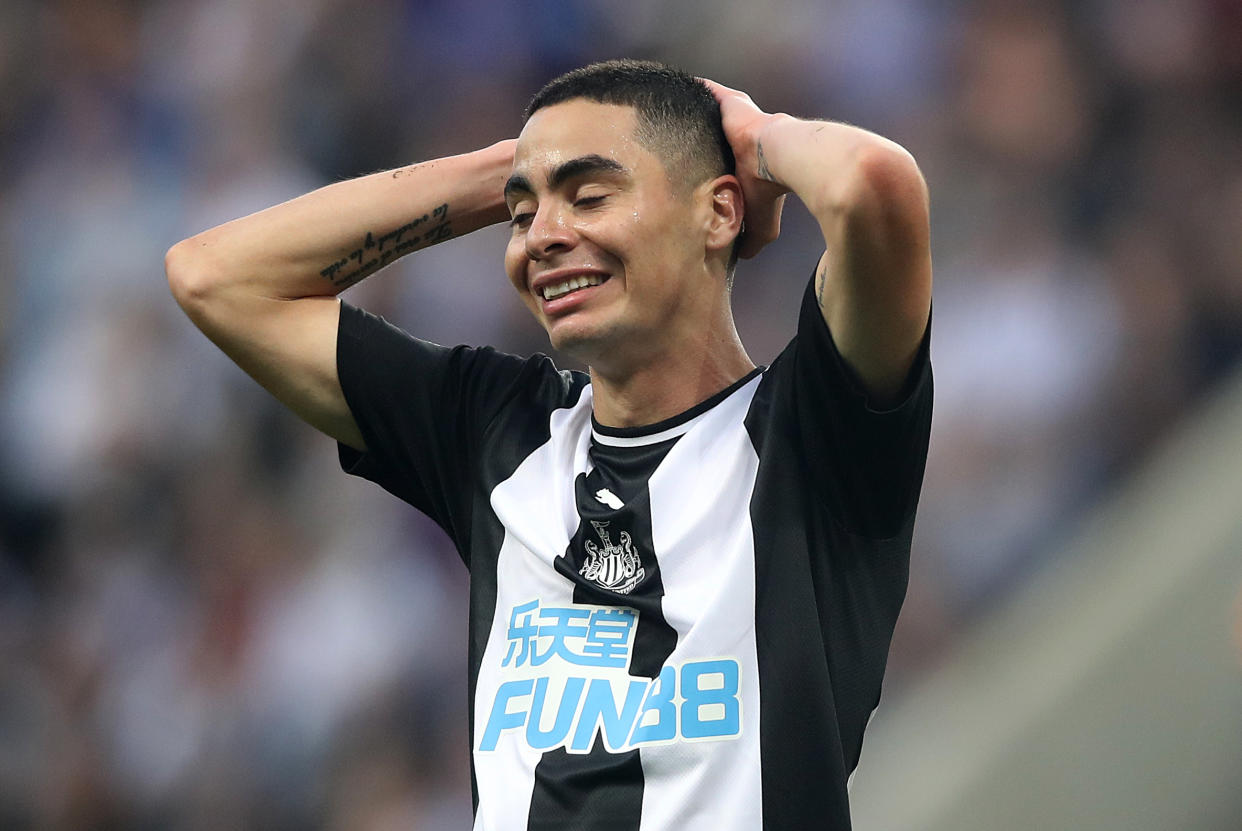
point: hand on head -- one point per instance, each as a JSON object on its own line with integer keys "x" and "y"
{"x": 764, "y": 196}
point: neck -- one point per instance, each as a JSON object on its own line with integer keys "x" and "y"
{"x": 679, "y": 379}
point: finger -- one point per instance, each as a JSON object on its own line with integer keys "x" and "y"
{"x": 720, "y": 90}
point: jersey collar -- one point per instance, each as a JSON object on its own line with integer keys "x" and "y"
{"x": 669, "y": 428}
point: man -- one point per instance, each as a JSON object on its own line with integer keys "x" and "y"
{"x": 685, "y": 571}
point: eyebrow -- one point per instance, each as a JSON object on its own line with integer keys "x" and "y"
{"x": 562, "y": 173}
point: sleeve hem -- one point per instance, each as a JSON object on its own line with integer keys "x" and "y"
{"x": 916, "y": 377}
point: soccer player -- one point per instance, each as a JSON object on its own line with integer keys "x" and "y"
{"x": 685, "y": 569}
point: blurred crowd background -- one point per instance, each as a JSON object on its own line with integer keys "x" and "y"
{"x": 204, "y": 624}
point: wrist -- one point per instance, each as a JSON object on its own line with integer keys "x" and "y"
{"x": 501, "y": 152}
{"x": 768, "y": 142}
{"x": 490, "y": 167}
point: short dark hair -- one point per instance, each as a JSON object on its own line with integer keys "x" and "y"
{"x": 678, "y": 117}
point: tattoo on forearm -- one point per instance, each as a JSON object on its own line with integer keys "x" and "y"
{"x": 409, "y": 169}
{"x": 375, "y": 252}
{"x": 762, "y": 163}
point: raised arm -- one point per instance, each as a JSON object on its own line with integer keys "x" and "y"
{"x": 873, "y": 281}
{"x": 264, "y": 287}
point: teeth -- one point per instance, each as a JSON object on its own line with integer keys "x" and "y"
{"x": 572, "y": 284}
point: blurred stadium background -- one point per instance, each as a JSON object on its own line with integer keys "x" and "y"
{"x": 203, "y": 624}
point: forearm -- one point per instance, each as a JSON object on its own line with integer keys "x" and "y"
{"x": 873, "y": 282}
{"x": 321, "y": 243}
{"x": 837, "y": 170}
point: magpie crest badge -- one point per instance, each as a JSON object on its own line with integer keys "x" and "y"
{"x": 612, "y": 566}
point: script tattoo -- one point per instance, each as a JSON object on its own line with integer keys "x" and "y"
{"x": 409, "y": 169}
{"x": 377, "y": 251}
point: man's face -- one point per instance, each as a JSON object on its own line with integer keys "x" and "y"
{"x": 605, "y": 250}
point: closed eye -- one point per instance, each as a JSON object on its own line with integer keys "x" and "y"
{"x": 524, "y": 218}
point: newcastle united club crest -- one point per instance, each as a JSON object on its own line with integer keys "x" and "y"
{"x": 615, "y": 567}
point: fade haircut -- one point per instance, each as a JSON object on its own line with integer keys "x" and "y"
{"x": 678, "y": 117}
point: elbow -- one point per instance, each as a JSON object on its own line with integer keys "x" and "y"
{"x": 888, "y": 188}
{"x": 190, "y": 277}
{"x": 179, "y": 269}
{"x": 880, "y": 195}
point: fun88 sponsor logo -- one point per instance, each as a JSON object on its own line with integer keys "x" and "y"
{"x": 567, "y": 681}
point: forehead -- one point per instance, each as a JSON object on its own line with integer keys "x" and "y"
{"x": 577, "y": 128}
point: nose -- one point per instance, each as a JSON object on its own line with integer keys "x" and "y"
{"x": 550, "y": 231}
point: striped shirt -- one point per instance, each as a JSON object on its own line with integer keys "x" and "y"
{"x": 680, "y": 626}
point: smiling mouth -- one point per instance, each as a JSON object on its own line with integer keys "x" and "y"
{"x": 555, "y": 290}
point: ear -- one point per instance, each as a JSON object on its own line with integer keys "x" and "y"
{"x": 727, "y": 210}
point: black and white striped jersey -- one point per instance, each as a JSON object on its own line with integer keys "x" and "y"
{"x": 682, "y": 626}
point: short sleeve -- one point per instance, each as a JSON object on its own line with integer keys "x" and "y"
{"x": 420, "y": 408}
{"x": 867, "y": 462}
